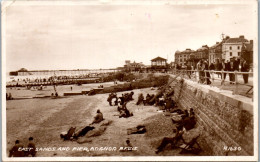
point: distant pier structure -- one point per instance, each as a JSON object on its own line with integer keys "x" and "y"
{"x": 65, "y": 72}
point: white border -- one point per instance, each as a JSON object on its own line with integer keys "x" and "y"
{"x": 131, "y": 158}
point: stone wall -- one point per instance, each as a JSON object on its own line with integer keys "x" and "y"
{"x": 225, "y": 120}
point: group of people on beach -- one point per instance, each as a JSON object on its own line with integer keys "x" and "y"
{"x": 186, "y": 123}
{"x": 18, "y": 150}
{"x": 114, "y": 100}
{"x": 161, "y": 99}
{"x": 121, "y": 102}
{"x": 164, "y": 100}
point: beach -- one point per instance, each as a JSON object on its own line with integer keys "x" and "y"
{"x": 45, "y": 118}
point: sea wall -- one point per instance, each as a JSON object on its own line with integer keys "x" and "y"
{"x": 225, "y": 120}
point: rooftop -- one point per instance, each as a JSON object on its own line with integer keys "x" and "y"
{"x": 216, "y": 45}
{"x": 240, "y": 39}
{"x": 158, "y": 59}
{"x": 187, "y": 51}
{"x": 202, "y": 48}
{"x": 177, "y": 51}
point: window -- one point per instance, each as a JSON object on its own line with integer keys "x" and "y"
{"x": 230, "y": 47}
{"x": 230, "y": 53}
{"x": 238, "y": 47}
{"x": 239, "y": 53}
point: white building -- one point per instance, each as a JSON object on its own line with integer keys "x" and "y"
{"x": 232, "y": 47}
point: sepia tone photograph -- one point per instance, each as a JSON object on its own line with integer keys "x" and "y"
{"x": 112, "y": 80}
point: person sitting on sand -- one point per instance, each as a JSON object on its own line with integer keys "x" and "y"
{"x": 122, "y": 99}
{"x": 169, "y": 104}
{"x": 147, "y": 99}
{"x": 116, "y": 99}
{"x": 172, "y": 140}
{"x": 125, "y": 113}
{"x": 128, "y": 146}
{"x": 188, "y": 121}
{"x": 98, "y": 118}
{"x": 109, "y": 99}
{"x": 130, "y": 96}
{"x": 15, "y": 152}
{"x": 140, "y": 99}
{"x": 32, "y": 148}
{"x": 151, "y": 100}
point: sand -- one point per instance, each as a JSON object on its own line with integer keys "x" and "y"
{"x": 45, "y": 118}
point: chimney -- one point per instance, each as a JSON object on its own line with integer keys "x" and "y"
{"x": 251, "y": 41}
{"x": 242, "y": 37}
{"x": 227, "y": 37}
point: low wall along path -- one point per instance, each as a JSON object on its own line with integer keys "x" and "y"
{"x": 225, "y": 120}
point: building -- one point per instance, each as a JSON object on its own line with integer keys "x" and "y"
{"x": 159, "y": 63}
{"x": 181, "y": 58}
{"x": 202, "y": 53}
{"x": 247, "y": 52}
{"x": 215, "y": 52}
{"x": 177, "y": 57}
{"x": 232, "y": 47}
{"x": 129, "y": 67}
{"x": 195, "y": 56}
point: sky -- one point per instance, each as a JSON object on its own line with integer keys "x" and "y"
{"x": 49, "y": 37}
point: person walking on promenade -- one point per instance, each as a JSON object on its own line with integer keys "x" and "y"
{"x": 230, "y": 66}
{"x": 188, "y": 68}
{"x": 223, "y": 68}
{"x": 236, "y": 63}
{"x": 212, "y": 66}
{"x": 199, "y": 68}
{"x": 206, "y": 74}
{"x": 218, "y": 67}
{"x": 245, "y": 68}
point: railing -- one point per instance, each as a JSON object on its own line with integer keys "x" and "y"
{"x": 209, "y": 76}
